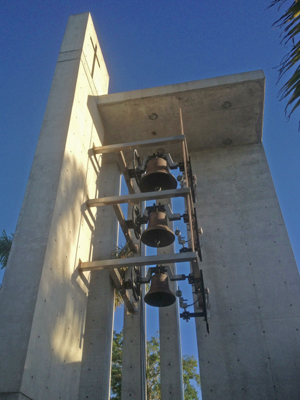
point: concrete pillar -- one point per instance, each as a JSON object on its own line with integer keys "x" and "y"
{"x": 253, "y": 349}
{"x": 98, "y": 334}
{"x": 170, "y": 340}
{"x": 43, "y": 299}
{"x": 134, "y": 347}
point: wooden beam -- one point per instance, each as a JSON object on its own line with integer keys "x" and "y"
{"x": 124, "y": 227}
{"x": 115, "y": 148}
{"x": 137, "y": 261}
{"x": 138, "y": 197}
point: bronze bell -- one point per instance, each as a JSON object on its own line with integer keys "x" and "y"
{"x": 157, "y": 234}
{"x": 160, "y": 294}
{"x": 157, "y": 176}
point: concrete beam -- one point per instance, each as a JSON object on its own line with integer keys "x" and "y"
{"x": 170, "y": 338}
{"x": 134, "y": 346}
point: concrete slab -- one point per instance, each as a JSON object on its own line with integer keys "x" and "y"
{"x": 215, "y": 111}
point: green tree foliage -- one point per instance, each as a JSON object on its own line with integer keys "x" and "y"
{"x": 189, "y": 366}
{"x": 153, "y": 369}
{"x": 5, "y": 245}
{"x": 289, "y": 23}
{"x": 116, "y": 366}
{"x": 121, "y": 252}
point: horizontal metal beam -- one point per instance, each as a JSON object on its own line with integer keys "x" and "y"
{"x": 114, "y": 148}
{"x": 138, "y": 197}
{"x": 137, "y": 261}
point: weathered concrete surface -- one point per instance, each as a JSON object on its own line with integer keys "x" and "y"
{"x": 134, "y": 354}
{"x": 98, "y": 334}
{"x": 253, "y": 349}
{"x": 214, "y": 110}
{"x": 134, "y": 341}
{"x": 14, "y": 396}
{"x": 43, "y": 300}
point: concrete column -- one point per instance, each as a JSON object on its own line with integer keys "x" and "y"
{"x": 134, "y": 347}
{"x": 252, "y": 351}
{"x": 43, "y": 299}
{"x": 98, "y": 335}
{"x": 170, "y": 340}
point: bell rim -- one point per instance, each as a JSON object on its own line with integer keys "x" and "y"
{"x": 169, "y": 233}
{"x": 171, "y": 180}
{"x": 170, "y": 296}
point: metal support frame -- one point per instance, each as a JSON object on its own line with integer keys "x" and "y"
{"x": 138, "y": 197}
{"x": 135, "y": 198}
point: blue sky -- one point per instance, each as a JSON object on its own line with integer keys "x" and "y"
{"x": 145, "y": 44}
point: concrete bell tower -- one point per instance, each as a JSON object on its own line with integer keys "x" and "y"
{"x": 57, "y": 297}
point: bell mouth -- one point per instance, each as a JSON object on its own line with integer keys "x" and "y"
{"x": 160, "y": 236}
{"x": 157, "y": 181}
{"x": 159, "y": 294}
{"x": 160, "y": 299}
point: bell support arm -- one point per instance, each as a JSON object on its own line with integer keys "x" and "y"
{"x": 165, "y": 207}
{"x": 152, "y": 270}
{"x": 138, "y": 197}
{"x": 171, "y": 163}
{"x": 138, "y": 261}
{"x": 170, "y": 215}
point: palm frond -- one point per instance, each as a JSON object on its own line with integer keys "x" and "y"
{"x": 289, "y": 22}
{"x": 5, "y": 245}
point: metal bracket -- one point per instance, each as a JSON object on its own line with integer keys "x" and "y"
{"x": 162, "y": 268}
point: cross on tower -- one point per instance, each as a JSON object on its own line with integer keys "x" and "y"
{"x": 95, "y": 58}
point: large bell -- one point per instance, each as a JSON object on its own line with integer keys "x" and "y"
{"x": 157, "y": 234}
{"x": 157, "y": 176}
{"x": 160, "y": 294}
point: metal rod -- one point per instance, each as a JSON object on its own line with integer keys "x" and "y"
{"x": 138, "y": 197}
{"x": 114, "y": 148}
{"x": 136, "y": 261}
